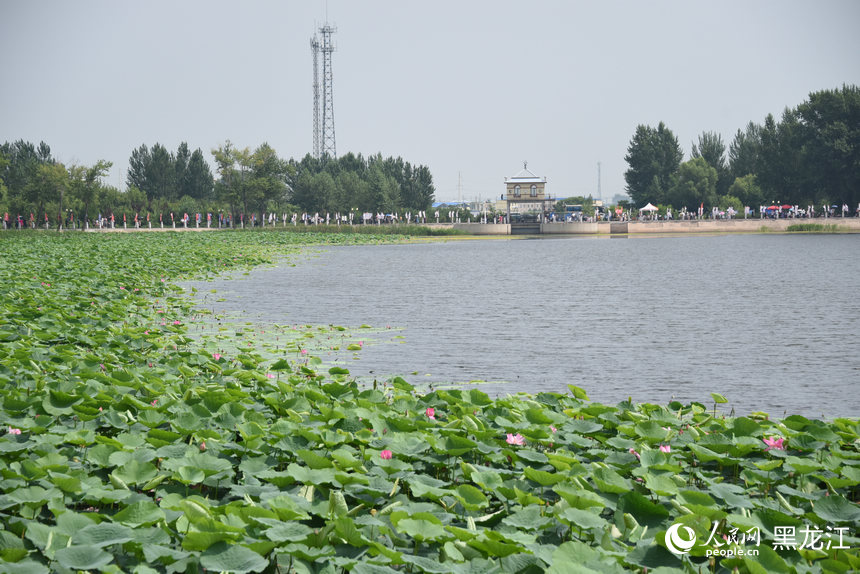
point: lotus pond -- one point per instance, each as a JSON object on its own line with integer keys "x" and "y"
{"x": 130, "y": 444}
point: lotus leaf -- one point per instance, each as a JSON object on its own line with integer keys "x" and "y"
{"x": 153, "y": 447}
{"x": 232, "y": 558}
{"x": 83, "y": 557}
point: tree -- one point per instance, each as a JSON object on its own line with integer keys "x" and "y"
{"x": 653, "y": 157}
{"x": 3, "y": 190}
{"x": 85, "y": 183}
{"x": 423, "y": 191}
{"x": 383, "y": 192}
{"x": 747, "y": 190}
{"x": 198, "y": 182}
{"x": 830, "y": 126}
{"x": 353, "y": 190}
{"x": 160, "y": 174}
{"x": 782, "y": 174}
{"x": 138, "y": 164}
{"x": 225, "y": 159}
{"x": 696, "y": 185}
{"x": 23, "y": 162}
{"x": 47, "y": 190}
{"x": 745, "y": 151}
{"x": 726, "y": 201}
{"x": 711, "y": 148}
{"x": 268, "y": 174}
{"x": 166, "y": 176}
{"x": 180, "y": 169}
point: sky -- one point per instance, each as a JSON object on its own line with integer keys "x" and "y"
{"x": 471, "y": 89}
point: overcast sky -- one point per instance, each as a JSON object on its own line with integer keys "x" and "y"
{"x": 469, "y": 88}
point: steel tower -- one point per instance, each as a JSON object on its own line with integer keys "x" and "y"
{"x": 327, "y": 142}
{"x": 315, "y": 49}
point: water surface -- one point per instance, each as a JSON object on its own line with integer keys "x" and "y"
{"x": 772, "y": 322}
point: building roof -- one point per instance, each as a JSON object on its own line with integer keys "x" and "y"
{"x": 525, "y": 176}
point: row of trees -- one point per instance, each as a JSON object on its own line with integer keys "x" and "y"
{"x": 352, "y": 182}
{"x": 181, "y": 181}
{"x": 33, "y": 183}
{"x": 810, "y": 156}
{"x": 163, "y": 175}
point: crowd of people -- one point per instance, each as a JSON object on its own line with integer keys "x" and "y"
{"x": 223, "y": 220}
{"x": 764, "y": 212}
{"x": 215, "y": 220}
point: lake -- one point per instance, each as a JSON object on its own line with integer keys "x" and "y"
{"x": 770, "y": 321}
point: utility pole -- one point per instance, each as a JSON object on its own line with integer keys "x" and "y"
{"x": 599, "y": 194}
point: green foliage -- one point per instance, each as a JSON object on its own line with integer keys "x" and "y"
{"x": 726, "y": 201}
{"x": 747, "y": 190}
{"x": 696, "y": 185}
{"x": 745, "y": 151}
{"x": 653, "y": 159}
{"x": 164, "y": 175}
{"x": 813, "y": 227}
{"x": 711, "y": 148}
{"x": 353, "y": 183}
{"x": 142, "y": 450}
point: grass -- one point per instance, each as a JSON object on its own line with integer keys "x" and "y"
{"x": 409, "y": 230}
{"x": 814, "y": 227}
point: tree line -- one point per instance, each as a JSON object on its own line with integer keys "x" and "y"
{"x": 811, "y": 156}
{"x": 33, "y": 184}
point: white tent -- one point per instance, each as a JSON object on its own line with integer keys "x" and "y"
{"x": 648, "y": 207}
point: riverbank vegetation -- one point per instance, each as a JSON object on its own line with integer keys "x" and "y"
{"x": 130, "y": 445}
{"x": 164, "y": 185}
{"x": 397, "y": 229}
{"x": 814, "y": 228}
{"x": 807, "y": 157}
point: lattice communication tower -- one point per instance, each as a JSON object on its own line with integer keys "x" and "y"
{"x": 315, "y": 49}
{"x": 324, "y": 139}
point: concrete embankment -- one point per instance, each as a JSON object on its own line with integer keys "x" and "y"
{"x": 848, "y": 224}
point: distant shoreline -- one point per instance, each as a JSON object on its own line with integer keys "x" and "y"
{"x": 603, "y": 228}
{"x": 705, "y": 226}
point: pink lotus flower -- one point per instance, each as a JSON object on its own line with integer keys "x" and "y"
{"x": 270, "y": 375}
{"x": 154, "y": 401}
{"x": 431, "y": 413}
{"x": 177, "y": 322}
{"x": 665, "y": 448}
{"x": 203, "y": 445}
{"x": 552, "y": 428}
{"x": 216, "y": 356}
{"x": 11, "y": 430}
{"x": 385, "y": 455}
{"x": 516, "y": 439}
{"x": 634, "y": 453}
{"x": 774, "y": 443}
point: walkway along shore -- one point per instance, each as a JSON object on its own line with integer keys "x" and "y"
{"x": 842, "y": 225}
{"x": 846, "y": 225}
